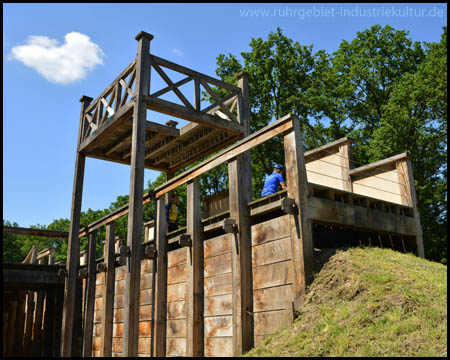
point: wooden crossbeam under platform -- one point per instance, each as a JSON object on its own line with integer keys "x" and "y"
{"x": 166, "y": 148}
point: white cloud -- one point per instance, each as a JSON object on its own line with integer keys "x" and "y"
{"x": 64, "y": 63}
{"x": 177, "y": 52}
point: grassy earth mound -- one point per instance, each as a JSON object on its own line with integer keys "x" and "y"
{"x": 368, "y": 302}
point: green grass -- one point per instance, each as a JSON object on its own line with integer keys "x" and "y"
{"x": 368, "y": 302}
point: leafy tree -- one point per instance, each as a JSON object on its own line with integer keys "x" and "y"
{"x": 369, "y": 67}
{"x": 11, "y": 247}
{"x": 280, "y": 74}
{"x": 415, "y": 121}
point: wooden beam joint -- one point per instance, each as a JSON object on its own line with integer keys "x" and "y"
{"x": 185, "y": 240}
{"x": 82, "y": 274}
{"x": 229, "y": 226}
{"x": 150, "y": 252}
{"x": 125, "y": 252}
{"x": 102, "y": 267}
{"x": 288, "y": 206}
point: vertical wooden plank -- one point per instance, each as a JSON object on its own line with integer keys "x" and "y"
{"x": 77, "y": 337}
{"x": 6, "y": 305}
{"x": 197, "y": 94}
{"x": 58, "y": 321}
{"x": 345, "y": 153}
{"x": 90, "y": 295}
{"x": 118, "y": 96}
{"x": 11, "y": 326}
{"x": 108, "y": 293}
{"x": 51, "y": 258}
{"x": 73, "y": 250}
{"x": 240, "y": 190}
{"x": 48, "y": 321}
{"x": 30, "y": 311}
{"x": 133, "y": 274}
{"x": 405, "y": 167}
{"x": 20, "y": 323}
{"x": 160, "y": 291}
{"x": 403, "y": 183}
{"x": 37, "y": 326}
{"x": 301, "y": 228}
{"x": 194, "y": 263}
{"x": 29, "y": 322}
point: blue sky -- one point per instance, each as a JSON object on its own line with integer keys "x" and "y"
{"x": 41, "y": 93}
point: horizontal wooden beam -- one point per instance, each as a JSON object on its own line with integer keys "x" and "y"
{"x": 112, "y": 216}
{"x": 118, "y": 159}
{"x": 35, "y": 232}
{"x": 173, "y": 109}
{"x": 325, "y": 150}
{"x": 278, "y": 127}
{"x": 16, "y": 277}
{"x": 377, "y": 167}
{"x": 184, "y": 70}
{"x": 358, "y": 217}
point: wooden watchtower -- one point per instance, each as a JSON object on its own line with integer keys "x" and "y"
{"x": 114, "y": 127}
{"x": 229, "y": 279}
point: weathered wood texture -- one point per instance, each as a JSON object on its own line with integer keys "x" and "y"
{"x": 90, "y": 296}
{"x": 35, "y": 232}
{"x": 216, "y": 204}
{"x": 240, "y": 192}
{"x": 177, "y": 274}
{"x": 195, "y": 268}
{"x": 299, "y": 222}
{"x": 272, "y": 276}
{"x": 73, "y": 250}
{"x": 108, "y": 293}
{"x": 131, "y": 310}
{"x": 406, "y": 177}
{"x": 161, "y": 287}
{"x": 218, "y": 286}
{"x": 381, "y": 180}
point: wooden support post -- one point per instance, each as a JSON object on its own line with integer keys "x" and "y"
{"x": 108, "y": 293}
{"x": 404, "y": 167}
{"x": 27, "y": 343}
{"x": 345, "y": 152}
{"x": 301, "y": 227}
{"x": 133, "y": 268}
{"x": 160, "y": 290}
{"x": 37, "y": 326}
{"x": 195, "y": 295}
{"x": 90, "y": 295}
{"x": 73, "y": 250}
{"x": 20, "y": 323}
{"x": 197, "y": 94}
{"x": 240, "y": 190}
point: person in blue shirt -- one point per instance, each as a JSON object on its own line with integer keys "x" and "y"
{"x": 273, "y": 180}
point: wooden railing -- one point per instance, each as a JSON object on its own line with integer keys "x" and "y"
{"x": 110, "y": 101}
{"x": 122, "y": 91}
